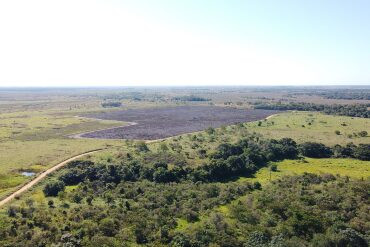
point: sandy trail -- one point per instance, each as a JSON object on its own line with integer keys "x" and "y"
{"x": 43, "y": 175}
{"x": 271, "y": 116}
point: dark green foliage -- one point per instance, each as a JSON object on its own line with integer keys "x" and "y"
{"x": 108, "y": 227}
{"x": 190, "y": 98}
{"x": 315, "y": 150}
{"x": 142, "y": 147}
{"x": 362, "y": 152}
{"x": 355, "y": 110}
{"x": 140, "y": 200}
{"x": 53, "y": 188}
{"x": 273, "y": 168}
{"x": 353, "y": 94}
{"x": 363, "y": 133}
{"x": 111, "y": 104}
{"x": 320, "y": 210}
{"x": 210, "y": 131}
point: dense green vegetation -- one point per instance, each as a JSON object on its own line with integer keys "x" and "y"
{"x": 307, "y": 210}
{"x": 355, "y": 110}
{"x": 362, "y": 94}
{"x": 142, "y": 197}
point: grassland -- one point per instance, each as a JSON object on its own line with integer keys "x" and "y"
{"x": 313, "y": 126}
{"x": 34, "y": 129}
{"x": 36, "y": 140}
{"x": 352, "y": 168}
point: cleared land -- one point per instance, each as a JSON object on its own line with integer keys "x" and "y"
{"x": 158, "y": 123}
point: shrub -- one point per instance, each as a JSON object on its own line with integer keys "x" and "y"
{"x": 315, "y": 150}
{"x": 257, "y": 185}
{"x": 273, "y": 168}
{"x": 362, "y": 152}
{"x": 363, "y": 133}
{"x": 142, "y": 147}
{"x": 53, "y": 188}
{"x": 210, "y": 131}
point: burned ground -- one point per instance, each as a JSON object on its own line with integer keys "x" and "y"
{"x": 157, "y": 123}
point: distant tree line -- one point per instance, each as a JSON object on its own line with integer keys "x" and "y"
{"x": 111, "y": 104}
{"x": 351, "y": 95}
{"x": 355, "y": 110}
{"x": 190, "y": 98}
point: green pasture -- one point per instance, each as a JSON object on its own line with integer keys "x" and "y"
{"x": 37, "y": 140}
{"x": 313, "y": 126}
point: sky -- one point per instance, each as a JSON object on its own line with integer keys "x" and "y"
{"x": 184, "y": 43}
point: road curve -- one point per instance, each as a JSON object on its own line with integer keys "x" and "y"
{"x": 43, "y": 175}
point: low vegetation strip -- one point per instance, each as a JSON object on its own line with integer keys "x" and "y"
{"x": 158, "y": 123}
{"x": 42, "y": 176}
{"x": 356, "y": 110}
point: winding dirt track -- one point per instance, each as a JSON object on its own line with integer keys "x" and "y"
{"x": 43, "y": 175}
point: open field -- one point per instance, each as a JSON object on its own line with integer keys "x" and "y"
{"x": 355, "y": 169}
{"x": 158, "y": 123}
{"x": 35, "y": 140}
{"x": 313, "y": 126}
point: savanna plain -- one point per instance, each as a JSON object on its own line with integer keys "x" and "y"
{"x": 201, "y": 166}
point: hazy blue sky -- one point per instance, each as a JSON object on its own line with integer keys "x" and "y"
{"x": 192, "y": 42}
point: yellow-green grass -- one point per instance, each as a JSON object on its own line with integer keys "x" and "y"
{"x": 42, "y": 125}
{"x": 37, "y": 140}
{"x": 356, "y": 169}
{"x": 322, "y": 127}
{"x": 37, "y": 156}
{"x": 181, "y": 224}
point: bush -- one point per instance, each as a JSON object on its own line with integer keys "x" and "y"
{"x": 257, "y": 185}
{"x": 142, "y": 147}
{"x": 108, "y": 227}
{"x": 53, "y": 188}
{"x": 315, "y": 150}
{"x": 210, "y": 131}
{"x": 362, "y": 152}
{"x": 191, "y": 216}
{"x": 363, "y": 133}
{"x": 273, "y": 168}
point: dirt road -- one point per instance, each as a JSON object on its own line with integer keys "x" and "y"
{"x": 41, "y": 176}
